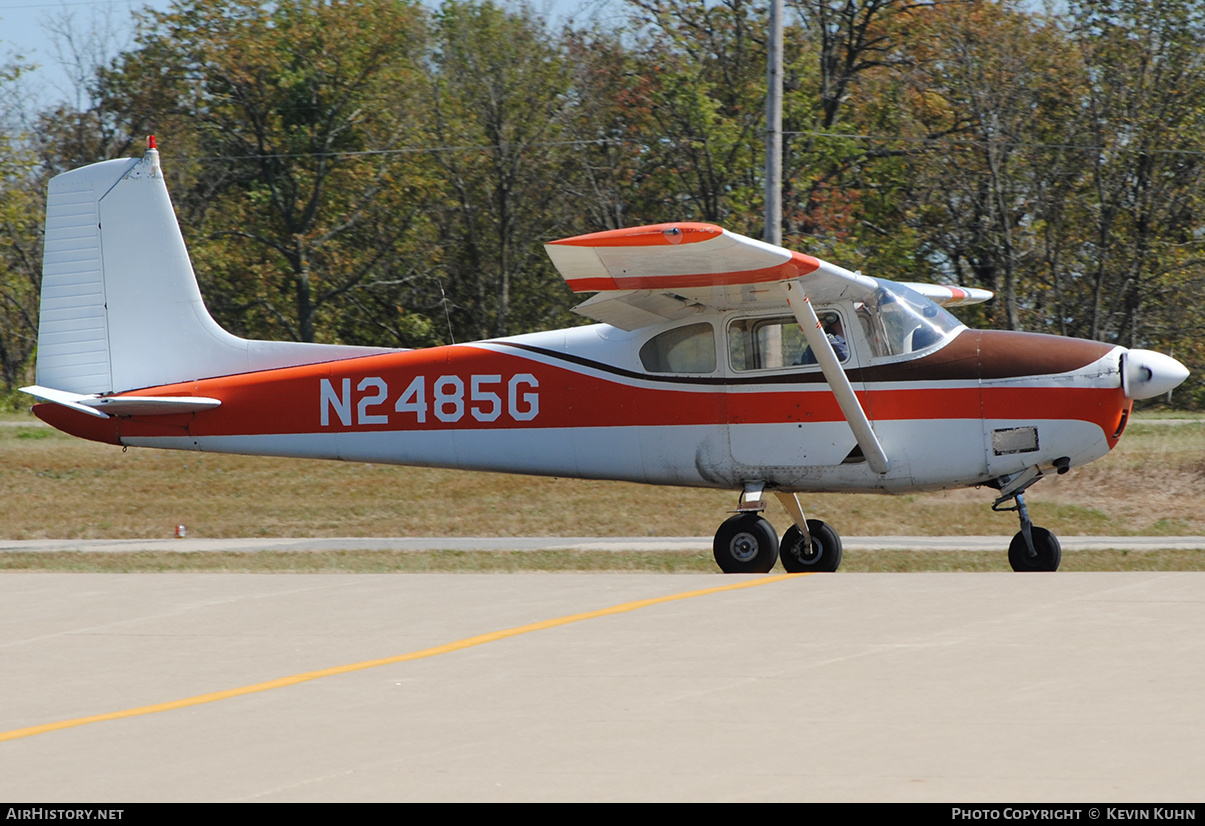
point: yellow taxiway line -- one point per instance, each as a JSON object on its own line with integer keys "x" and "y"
{"x": 459, "y": 645}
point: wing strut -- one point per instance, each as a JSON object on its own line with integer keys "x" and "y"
{"x": 801, "y": 306}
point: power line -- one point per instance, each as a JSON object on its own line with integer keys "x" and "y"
{"x": 951, "y": 141}
{"x": 924, "y": 141}
{"x": 403, "y": 150}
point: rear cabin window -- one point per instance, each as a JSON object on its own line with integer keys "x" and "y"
{"x": 689, "y": 349}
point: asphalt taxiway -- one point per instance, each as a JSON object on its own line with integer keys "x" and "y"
{"x": 314, "y": 687}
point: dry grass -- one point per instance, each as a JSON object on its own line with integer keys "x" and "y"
{"x": 517, "y": 562}
{"x": 54, "y": 486}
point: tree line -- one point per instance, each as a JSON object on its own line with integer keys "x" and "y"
{"x": 385, "y": 173}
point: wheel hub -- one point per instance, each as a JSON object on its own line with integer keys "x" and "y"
{"x": 806, "y": 552}
{"x": 744, "y": 547}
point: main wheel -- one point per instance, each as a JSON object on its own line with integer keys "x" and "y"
{"x": 823, "y": 555}
{"x": 1049, "y": 552}
{"x": 745, "y": 544}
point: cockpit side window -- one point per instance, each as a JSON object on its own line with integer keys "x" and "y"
{"x": 689, "y": 349}
{"x": 769, "y": 343}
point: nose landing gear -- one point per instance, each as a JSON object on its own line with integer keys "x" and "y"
{"x": 1033, "y": 548}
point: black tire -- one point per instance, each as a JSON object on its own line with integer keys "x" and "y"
{"x": 745, "y": 544}
{"x": 1050, "y": 553}
{"x": 824, "y": 555}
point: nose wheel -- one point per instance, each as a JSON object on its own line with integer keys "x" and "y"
{"x": 1041, "y": 552}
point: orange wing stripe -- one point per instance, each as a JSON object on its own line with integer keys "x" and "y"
{"x": 647, "y": 236}
{"x": 799, "y": 264}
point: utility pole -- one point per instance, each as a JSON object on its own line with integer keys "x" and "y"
{"x": 773, "y": 230}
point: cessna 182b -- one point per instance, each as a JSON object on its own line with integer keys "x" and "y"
{"x": 720, "y": 362}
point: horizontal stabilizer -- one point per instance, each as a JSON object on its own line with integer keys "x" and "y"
{"x": 73, "y": 400}
{"x": 106, "y": 406}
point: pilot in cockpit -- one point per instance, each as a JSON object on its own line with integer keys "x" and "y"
{"x": 831, "y": 322}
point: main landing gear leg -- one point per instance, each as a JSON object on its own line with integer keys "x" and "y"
{"x": 808, "y": 546}
{"x": 1033, "y": 548}
{"x": 748, "y": 544}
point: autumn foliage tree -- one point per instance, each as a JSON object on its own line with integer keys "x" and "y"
{"x": 293, "y": 113}
{"x": 499, "y": 103}
{"x": 386, "y": 172}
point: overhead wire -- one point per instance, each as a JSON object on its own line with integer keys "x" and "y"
{"x": 943, "y": 142}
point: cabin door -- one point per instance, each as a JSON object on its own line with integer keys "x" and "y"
{"x": 781, "y": 412}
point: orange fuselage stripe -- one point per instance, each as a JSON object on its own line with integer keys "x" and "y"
{"x": 290, "y": 400}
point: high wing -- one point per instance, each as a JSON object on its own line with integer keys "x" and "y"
{"x": 650, "y": 274}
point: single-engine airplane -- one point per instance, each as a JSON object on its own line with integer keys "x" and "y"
{"x": 720, "y": 361}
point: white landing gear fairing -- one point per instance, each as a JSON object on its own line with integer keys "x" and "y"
{"x": 720, "y": 362}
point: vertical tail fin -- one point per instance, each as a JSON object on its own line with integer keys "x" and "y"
{"x": 120, "y": 308}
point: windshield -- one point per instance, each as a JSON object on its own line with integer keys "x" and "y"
{"x": 898, "y": 320}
